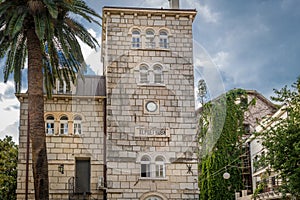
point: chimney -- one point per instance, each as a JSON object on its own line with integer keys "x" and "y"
{"x": 174, "y": 4}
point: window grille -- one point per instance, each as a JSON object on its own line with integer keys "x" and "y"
{"x": 136, "y": 40}
{"x": 145, "y": 166}
{"x": 64, "y": 125}
{"x": 163, "y": 40}
{"x": 50, "y": 125}
{"x": 77, "y": 125}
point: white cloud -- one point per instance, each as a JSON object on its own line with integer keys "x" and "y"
{"x": 11, "y": 130}
{"x": 92, "y": 57}
{"x": 206, "y": 69}
{"x": 204, "y": 11}
{"x": 221, "y": 59}
{"x": 11, "y": 115}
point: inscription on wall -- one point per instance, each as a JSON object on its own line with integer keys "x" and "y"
{"x": 152, "y": 132}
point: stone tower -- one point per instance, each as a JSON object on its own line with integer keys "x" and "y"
{"x": 151, "y": 125}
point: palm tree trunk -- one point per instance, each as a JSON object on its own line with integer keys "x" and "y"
{"x": 36, "y": 117}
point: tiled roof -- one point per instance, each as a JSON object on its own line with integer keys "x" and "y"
{"x": 92, "y": 85}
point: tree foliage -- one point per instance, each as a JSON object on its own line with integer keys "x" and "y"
{"x": 46, "y": 34}
{"x": 54, "y": 24}
{"x": 8, "y": 168}
{"x": 221, "y": 146}
{"x": 283, "y": 140}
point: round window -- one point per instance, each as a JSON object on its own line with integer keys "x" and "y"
{"x": 151, "y": 106}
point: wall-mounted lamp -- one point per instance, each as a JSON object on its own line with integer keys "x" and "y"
{"x": 226, "y": 175}
{"x": 61, "y": 168}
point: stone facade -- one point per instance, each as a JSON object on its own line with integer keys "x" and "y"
{"x": 134, "y": 131}
{"x": 65, "y": 149}
{"x": 133, "y": 137}
{"x": 259, "y": 108}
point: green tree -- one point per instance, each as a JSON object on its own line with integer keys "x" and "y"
{"x": 44, "y": 33}
{"x": 283, "y": 140}
{"x": 221, "y": 146}
{"x": 8, "y": 168}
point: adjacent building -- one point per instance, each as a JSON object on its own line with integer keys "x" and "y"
{"x": 265, "y": 180}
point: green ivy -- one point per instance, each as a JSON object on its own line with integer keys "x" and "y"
{"x": 221, "y": 125}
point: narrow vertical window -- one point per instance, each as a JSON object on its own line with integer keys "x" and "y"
{"x": 50, "y": 125}
{"x": 144, "y": 74}
{"x": 145, "y": 166}
{"x": 163, "y": 40}
{"x": 63, "y": 87}
{"x": 136, "y": 39}
{"x": 158, "y": 75}
{"x": 159, "y": 167}
{"x": 77, "y": 125}
{"x": 150, "y": 39}
{"x": 64, "y": 125}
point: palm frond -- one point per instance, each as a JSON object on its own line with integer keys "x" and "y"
{"x": 81, "y": 32}
{"x": 52, "y": 8}
{"x": 20, "y": 57}
{"x": 40, "y": 25}
{"x": 80, "y": 8}
{"x": 5, "y": 6}
{"x": 11, "y": 24}
{"x": 18, "y": 24}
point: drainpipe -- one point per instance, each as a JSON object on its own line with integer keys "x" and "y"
{"x": 27, "y": 158}
{"x": 104, "y": 149}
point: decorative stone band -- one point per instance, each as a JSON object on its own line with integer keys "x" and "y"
{"x": 152, "y": 132}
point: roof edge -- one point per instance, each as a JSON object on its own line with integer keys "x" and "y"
{"x": 148, "y": 9}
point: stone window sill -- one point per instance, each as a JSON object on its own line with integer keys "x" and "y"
{"x": 151, "y": 84}
{"x": 153, "y": 179}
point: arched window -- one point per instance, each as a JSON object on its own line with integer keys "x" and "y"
{"x": 158, "y": 75}
{"x": 154, "y": 198}
{"x": 144, "y": 74}
{"x": 160, "y": 167}
{"x": 150, "y": 43}
{"x": 163, "y": 39}
{"x": 50, "y": 125}
{"x": 145, "y": 166}
{"x": 77, "y": 125}
{"x": 63, "y": 125}
{"x": 136, "y": 39}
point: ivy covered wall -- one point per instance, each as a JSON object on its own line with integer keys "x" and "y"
{"x": 221, "y": 130}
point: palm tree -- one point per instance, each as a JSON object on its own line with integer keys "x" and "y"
{"x": 44, "y": 33}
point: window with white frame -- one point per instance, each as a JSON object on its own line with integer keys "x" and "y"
{"x": 151, "y": 75}
{"x": 50, "y": 125}
{"x": 150, "y": 43}
{"x": 144, "y": 74}
{"x": 158, "y": 73}
{"x": 160, "y": 167}
{"x": 77, "y": 125}
{"x": 145, "y": 166}
{"x": 136, "y": 39}
{"x": 163, "y": 39}
{"x": 63, "y": 125}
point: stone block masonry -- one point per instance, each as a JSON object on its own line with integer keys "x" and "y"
{"x": 141, "y": 166}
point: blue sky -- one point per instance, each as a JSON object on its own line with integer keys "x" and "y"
{"x": 250, "y": 44}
